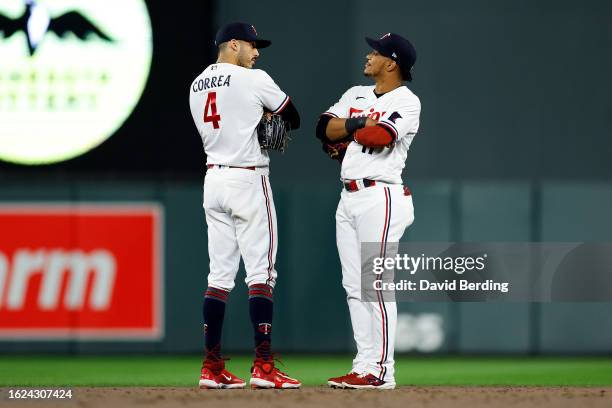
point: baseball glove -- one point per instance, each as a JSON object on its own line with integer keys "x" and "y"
{"x": 273, "y": 132}
{"x": 336, "y": 150}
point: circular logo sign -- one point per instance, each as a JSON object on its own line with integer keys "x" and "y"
{"x": 72, "y": 71}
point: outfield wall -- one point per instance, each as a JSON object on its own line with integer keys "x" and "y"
{"x": 310, "y": 309}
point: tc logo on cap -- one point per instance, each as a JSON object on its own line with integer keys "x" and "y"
{"x": 385, "y": 36}
{"x": 254, "y": 30}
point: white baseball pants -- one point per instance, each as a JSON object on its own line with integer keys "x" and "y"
{"x": 241, "y": 220}
{"x": 380, "y": 214}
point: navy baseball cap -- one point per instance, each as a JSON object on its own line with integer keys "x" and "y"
{"x": 240, "y": 31}
{"x": 398, "y": 49}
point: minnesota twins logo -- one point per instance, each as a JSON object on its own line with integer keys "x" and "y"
{"x": 36, "y": 22}
{"x": 254, "y": 30}
{"x": 265, "y": 328}
{"x": 385, "y": 36}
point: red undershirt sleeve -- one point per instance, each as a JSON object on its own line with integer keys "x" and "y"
{"x": 373, "y": 136}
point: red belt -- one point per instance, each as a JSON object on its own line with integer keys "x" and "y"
{"x": 220, "y": 166}
{"x": 352, "y": 185}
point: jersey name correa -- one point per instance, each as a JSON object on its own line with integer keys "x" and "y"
{"x": 227, "y": 102}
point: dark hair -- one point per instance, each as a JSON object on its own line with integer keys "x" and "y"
{"x": 406, "y": 73}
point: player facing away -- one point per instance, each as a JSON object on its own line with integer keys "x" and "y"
{"x": 227, "y": 101}
{"x": 370, "y": 130}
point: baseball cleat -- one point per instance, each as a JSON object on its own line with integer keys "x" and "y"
{"x": 228, "y": 380}
{"x": 336, "y": 382}
{"x": 215, "y": 376}
{"x": 367, "y": 381}
{"x": 265, "y": 375}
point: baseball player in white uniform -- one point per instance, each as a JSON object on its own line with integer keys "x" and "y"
{"x": 370, "y": 130}
{"x": 227, "y": 101}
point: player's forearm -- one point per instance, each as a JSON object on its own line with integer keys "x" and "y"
{"x": 338, "y": 128}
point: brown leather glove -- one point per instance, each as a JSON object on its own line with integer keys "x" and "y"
{"x": 337, "y": 149}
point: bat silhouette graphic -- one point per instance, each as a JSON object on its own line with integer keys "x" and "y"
{"x": 35, "y": 22}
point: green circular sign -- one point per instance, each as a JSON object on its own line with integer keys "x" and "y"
{"x": 72, "y": 72}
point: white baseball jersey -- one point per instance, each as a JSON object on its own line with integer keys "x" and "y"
{"x": 398, "y": 111}
{"x": 227, "y": 102}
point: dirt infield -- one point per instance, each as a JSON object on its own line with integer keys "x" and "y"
{"x": 318, "y": 397}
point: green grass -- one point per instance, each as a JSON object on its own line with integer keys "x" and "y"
{"x": 183, "y": 371}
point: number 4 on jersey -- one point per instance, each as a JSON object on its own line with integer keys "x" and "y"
{"x": 211, "y": 103}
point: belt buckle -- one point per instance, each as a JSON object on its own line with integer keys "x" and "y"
{"x": 353, "y": 185}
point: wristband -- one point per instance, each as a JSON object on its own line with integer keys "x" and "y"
{"x": 352, "y": 124}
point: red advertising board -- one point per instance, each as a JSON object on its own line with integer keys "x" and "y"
{"x": 81, "y": 271}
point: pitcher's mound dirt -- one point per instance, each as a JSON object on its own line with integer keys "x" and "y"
{"x": 320, "y": 397}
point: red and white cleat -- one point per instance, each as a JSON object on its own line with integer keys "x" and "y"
{"x": 367, "y": 381}
{"x": 265, "y": 375}
{"x": 229, "y": 381}
{"x": 336, "y": 382}
{"x": 215, "y": 376}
